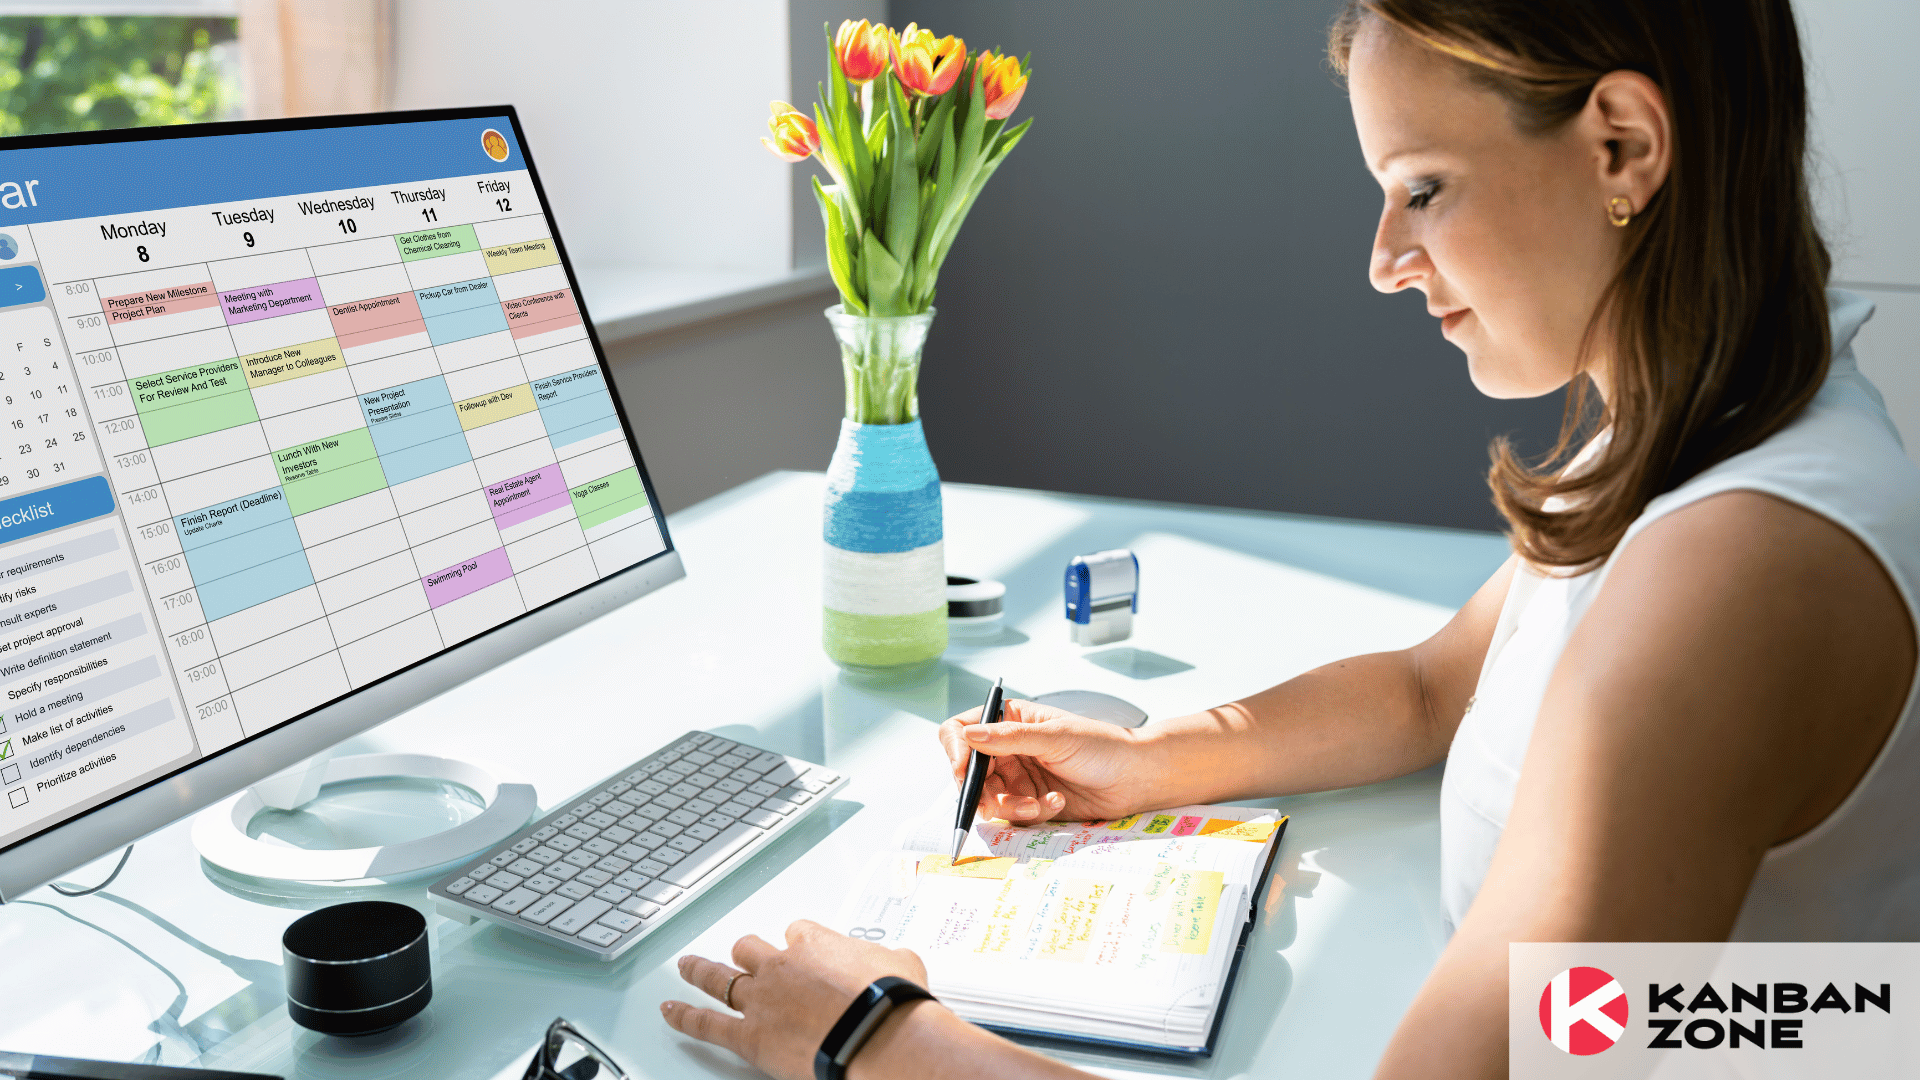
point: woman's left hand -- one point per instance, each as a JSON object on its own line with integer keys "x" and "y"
{"x": 788, "y": 998}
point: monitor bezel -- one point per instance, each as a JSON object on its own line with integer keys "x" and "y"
{"x": 162, "y": 800}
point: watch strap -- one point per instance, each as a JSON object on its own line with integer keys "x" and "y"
{"x": 860, "y": 1021}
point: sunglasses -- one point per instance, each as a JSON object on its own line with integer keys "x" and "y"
{"x": 565, "y": 1054}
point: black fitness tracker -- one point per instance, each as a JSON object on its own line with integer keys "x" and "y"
{"x": 859, "y": 1022}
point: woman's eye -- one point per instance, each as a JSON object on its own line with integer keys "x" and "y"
{"x": 1422, "y": 196}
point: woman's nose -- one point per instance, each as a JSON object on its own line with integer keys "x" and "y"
{"x": 1398, "y": 262}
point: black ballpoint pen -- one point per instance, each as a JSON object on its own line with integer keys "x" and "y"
{"x": 977, "y": 766}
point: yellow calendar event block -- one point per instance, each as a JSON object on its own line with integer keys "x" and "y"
{"x": 486, "y": 408}
{"x": 521, "y": 256}
{"x": 293, "y": 361}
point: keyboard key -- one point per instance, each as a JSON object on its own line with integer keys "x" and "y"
{"x": 641, "y": 906}
{"x": 563, "y": 843}
{"x": 505, "y": 880}
{"x": 545, "y": 832}
{"x": 634, "y": 822}
{"x": 544, "y": 911}
{"x": 734, "y": 761}
{"x": 599, "y": 798}
{"x": 562, "y": 870}
{"x": 667, "y": 829}
{"x": 743, "y": 774}
{"x": 813, "y": 786}
{"x": 600, "y": 845}
{"x": 503, "y": 858}
{"x": 461, "y": 885}
{"x": 481, "y": 894}
{"x": 515, "y": 900}
{"x": 684, "y": 790}
{"x": 600, "y": 819}
{"x": 699, "y": 738}
{"x": 620, "y": 920}
{"x": 654, "y": 811}
{"x": 673, "y": 773}
{"x": 699, "y": 831}
{"x": 616, "y": 809}
{"x": 650, "y": 867}
{"x": 716, "y": 771}
{"x": 762, "y": 788}
{"x": 698, "y": 758}
{"x": 793, "y": 793}
{"x": 630, "y": 852}
{"x": 595, "y": 877}
{"x": 636, "y": 776}
{"x": 600, "y": 934}
{"x": 612, "y": 893}
{"x": 543, "y": 855}
{"x": 620, "y": 787}
{"x": 563, "y": 821}
{"x": 782, "y": 774}
{"x": 682, "y": 747}
{"x": 523, "y": 867}
{"x": 581, "y": 858}
{"x": 580, "y": 915}
{"x": 575, "y": 890}
{"x": 652, "y": 787}
{"x": 683, "y": 817}
{"x": 659, "y": 892}
{"x": 631, "y": 880}
{"x": 761, "y": 818}
{"x": 686, "y": 844}
{"x": 711, "y": 854}
{"x": 719, "y": 746}
{"x": 584, "y": 809}
{"x": 729, "y": 786}
{"x": 647, "y": 841}
{"x": 702, "y": 807}
{"x": 717, "y": 820}
{"x": 542, "y": 884}
{"x": 766, "y": 761}
{"x": 737, "y": 809}
{"x": 779, "y": 806}
{"x": 671, "y": 802}
{"x": 610, "y": 866}
{"x": 584, "y": 831}
{"x": 699, "y": 780}
{"x": 665, "y": 854}
{"x": 525, "y": 845}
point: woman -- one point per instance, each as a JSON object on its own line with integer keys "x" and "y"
{"x": 1681, "y": 711}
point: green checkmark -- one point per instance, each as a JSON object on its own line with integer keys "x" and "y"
{"x": 6, "y": 749}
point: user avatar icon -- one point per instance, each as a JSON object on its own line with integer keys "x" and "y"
{"x": 494, "y": 143}
{"x": 8, "y": 247}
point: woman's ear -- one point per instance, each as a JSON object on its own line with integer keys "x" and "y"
{"x": 1631, "y": 131}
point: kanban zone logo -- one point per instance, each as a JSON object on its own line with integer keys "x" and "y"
{"x": 1583, "y": 1010}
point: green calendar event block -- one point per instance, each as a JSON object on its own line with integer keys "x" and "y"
{"x": 608, "y": 497}
{"x": 330, "y": 470}
{"x": 432, "y": 243}
{"x": 190, "y": 401}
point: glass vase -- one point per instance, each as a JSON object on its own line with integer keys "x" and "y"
{"x": 885, "y": 586}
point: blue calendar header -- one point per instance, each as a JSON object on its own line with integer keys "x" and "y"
{"x": 56, "y": 183}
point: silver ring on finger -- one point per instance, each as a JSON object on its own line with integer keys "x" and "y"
{"x": 726, "y": 995}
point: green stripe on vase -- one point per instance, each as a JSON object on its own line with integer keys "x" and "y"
{"x": 885, "y": 640}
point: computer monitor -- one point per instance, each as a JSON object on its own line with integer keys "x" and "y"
{"x": 301, "y": 423}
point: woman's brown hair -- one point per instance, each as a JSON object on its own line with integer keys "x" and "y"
{"x": 1715, "y": 324}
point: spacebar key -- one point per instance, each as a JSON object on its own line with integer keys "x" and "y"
{"x": 711, "y": 854}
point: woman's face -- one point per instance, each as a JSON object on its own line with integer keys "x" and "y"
{"x": 1506, "y": 233}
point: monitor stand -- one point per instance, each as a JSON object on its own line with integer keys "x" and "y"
{"x": 220, "y": 832}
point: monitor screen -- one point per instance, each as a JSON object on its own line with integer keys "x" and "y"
{"x": 286, "y": 409}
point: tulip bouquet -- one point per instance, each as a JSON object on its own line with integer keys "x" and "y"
{"x": 911, "y": 130}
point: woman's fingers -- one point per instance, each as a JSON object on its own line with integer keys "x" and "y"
{"x": 705, "y": 1024}
{"x": 752, "y": 951}
{"x": 707, "y": 976}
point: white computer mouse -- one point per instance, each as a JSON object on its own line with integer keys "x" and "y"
{"x": 1096, "y": 705}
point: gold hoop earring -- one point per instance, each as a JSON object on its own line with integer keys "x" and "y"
{"x": 1619, "y": 210}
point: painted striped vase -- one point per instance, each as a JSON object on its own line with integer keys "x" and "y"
{"x": 885, "y": 585}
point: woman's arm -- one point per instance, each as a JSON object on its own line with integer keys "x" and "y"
{"x": 1733, "y": 680}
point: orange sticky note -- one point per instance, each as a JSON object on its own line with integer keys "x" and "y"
{"x": 1229, "y": 829}
{"x": 973, "y": 866}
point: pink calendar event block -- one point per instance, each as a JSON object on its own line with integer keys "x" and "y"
{"x": 467, "y": 577}
{"x": 170, "y": 300}
{"x": 379, "y": 318}
{"x": 541, "y": 313}
{"x": 526, "y": 497}
{"x": 257, "y": 302}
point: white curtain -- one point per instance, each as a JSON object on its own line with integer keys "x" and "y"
{"x": 316, "y": 57}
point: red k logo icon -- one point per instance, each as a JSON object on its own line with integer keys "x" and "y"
{"x": 1583, "y": 1010}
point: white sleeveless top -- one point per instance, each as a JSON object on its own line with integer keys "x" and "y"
{"x": 1855, "y": 876}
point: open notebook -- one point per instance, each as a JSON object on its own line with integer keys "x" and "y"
{"x": 1123, "y": 932}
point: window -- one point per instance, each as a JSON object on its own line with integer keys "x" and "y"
{"x": 88, "y": 72}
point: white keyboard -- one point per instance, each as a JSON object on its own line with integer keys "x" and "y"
{"x": 610, "y": 865}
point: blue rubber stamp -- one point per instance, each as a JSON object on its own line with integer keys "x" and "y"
{"x": 1103, "y": 592}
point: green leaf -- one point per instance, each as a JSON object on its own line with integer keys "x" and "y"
{"x": 884, "y": 278}
{"x": 967, "y": 163}
{"x": 903, "y": 203}
{"x": 1008, "y": 141}
{"x": 839, "y": 262}
{"x": 929, "y": 139}
{"x": 1002, "y": 147}
{"x": 923, "y": 266}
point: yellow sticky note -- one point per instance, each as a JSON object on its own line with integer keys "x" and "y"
{"x": 1160, "y": 823}
{"x": 1229, "y": 829}
{"x": 973, "y": 866}
{"x": 1196, "y": 899}
{"x": 1075, "y": 911}
{"x": 1125, "y": 823}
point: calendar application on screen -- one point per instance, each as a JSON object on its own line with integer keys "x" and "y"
{"x": 263, "y": 444}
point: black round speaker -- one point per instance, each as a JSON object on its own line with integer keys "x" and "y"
{"x": 359, "y": 968}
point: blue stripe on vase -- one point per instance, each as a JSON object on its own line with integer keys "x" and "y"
{"x": 881, "y": 457}
{"x": 883, "y": 521}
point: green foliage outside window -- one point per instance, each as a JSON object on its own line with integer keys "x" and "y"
{"x": 88, "y": 72}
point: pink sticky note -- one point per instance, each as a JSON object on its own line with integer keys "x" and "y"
{"x": 1188, "y": 826}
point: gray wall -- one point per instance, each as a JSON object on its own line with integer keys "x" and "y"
{"x": 1163, "y": 293}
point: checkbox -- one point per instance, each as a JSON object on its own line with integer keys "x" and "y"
{"x": 9, "y": 774}
{"x": 6, "y": 749}
{"x": 17, "y": 797}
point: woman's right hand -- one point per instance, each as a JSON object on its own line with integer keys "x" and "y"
{"x": 1049, "y": 764}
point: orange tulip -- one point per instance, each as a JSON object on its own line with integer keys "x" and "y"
{"x": 862, "y": 51}
{"x": 1002, "y": 81}
{"x": 924, "y": 65}
{"x": 794, "y": 136}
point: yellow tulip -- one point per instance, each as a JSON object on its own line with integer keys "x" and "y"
{"x": 924, "y": 65}
{"x": 1002, "y": 82}
{"x": 861, "y": 50}
{"x": 794, "y": 136}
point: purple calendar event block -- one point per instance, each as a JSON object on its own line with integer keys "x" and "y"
{"x": 265, "y": 301}
{"x": 528, "y": 496}
{"x": 470, "y": 576}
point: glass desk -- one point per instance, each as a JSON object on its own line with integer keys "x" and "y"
{"x": 171, "y": 964}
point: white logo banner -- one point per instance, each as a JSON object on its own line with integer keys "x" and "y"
{"x": 1721, "y": 1010}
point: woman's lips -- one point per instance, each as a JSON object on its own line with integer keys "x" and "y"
{"x": 1451, "y": 320}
